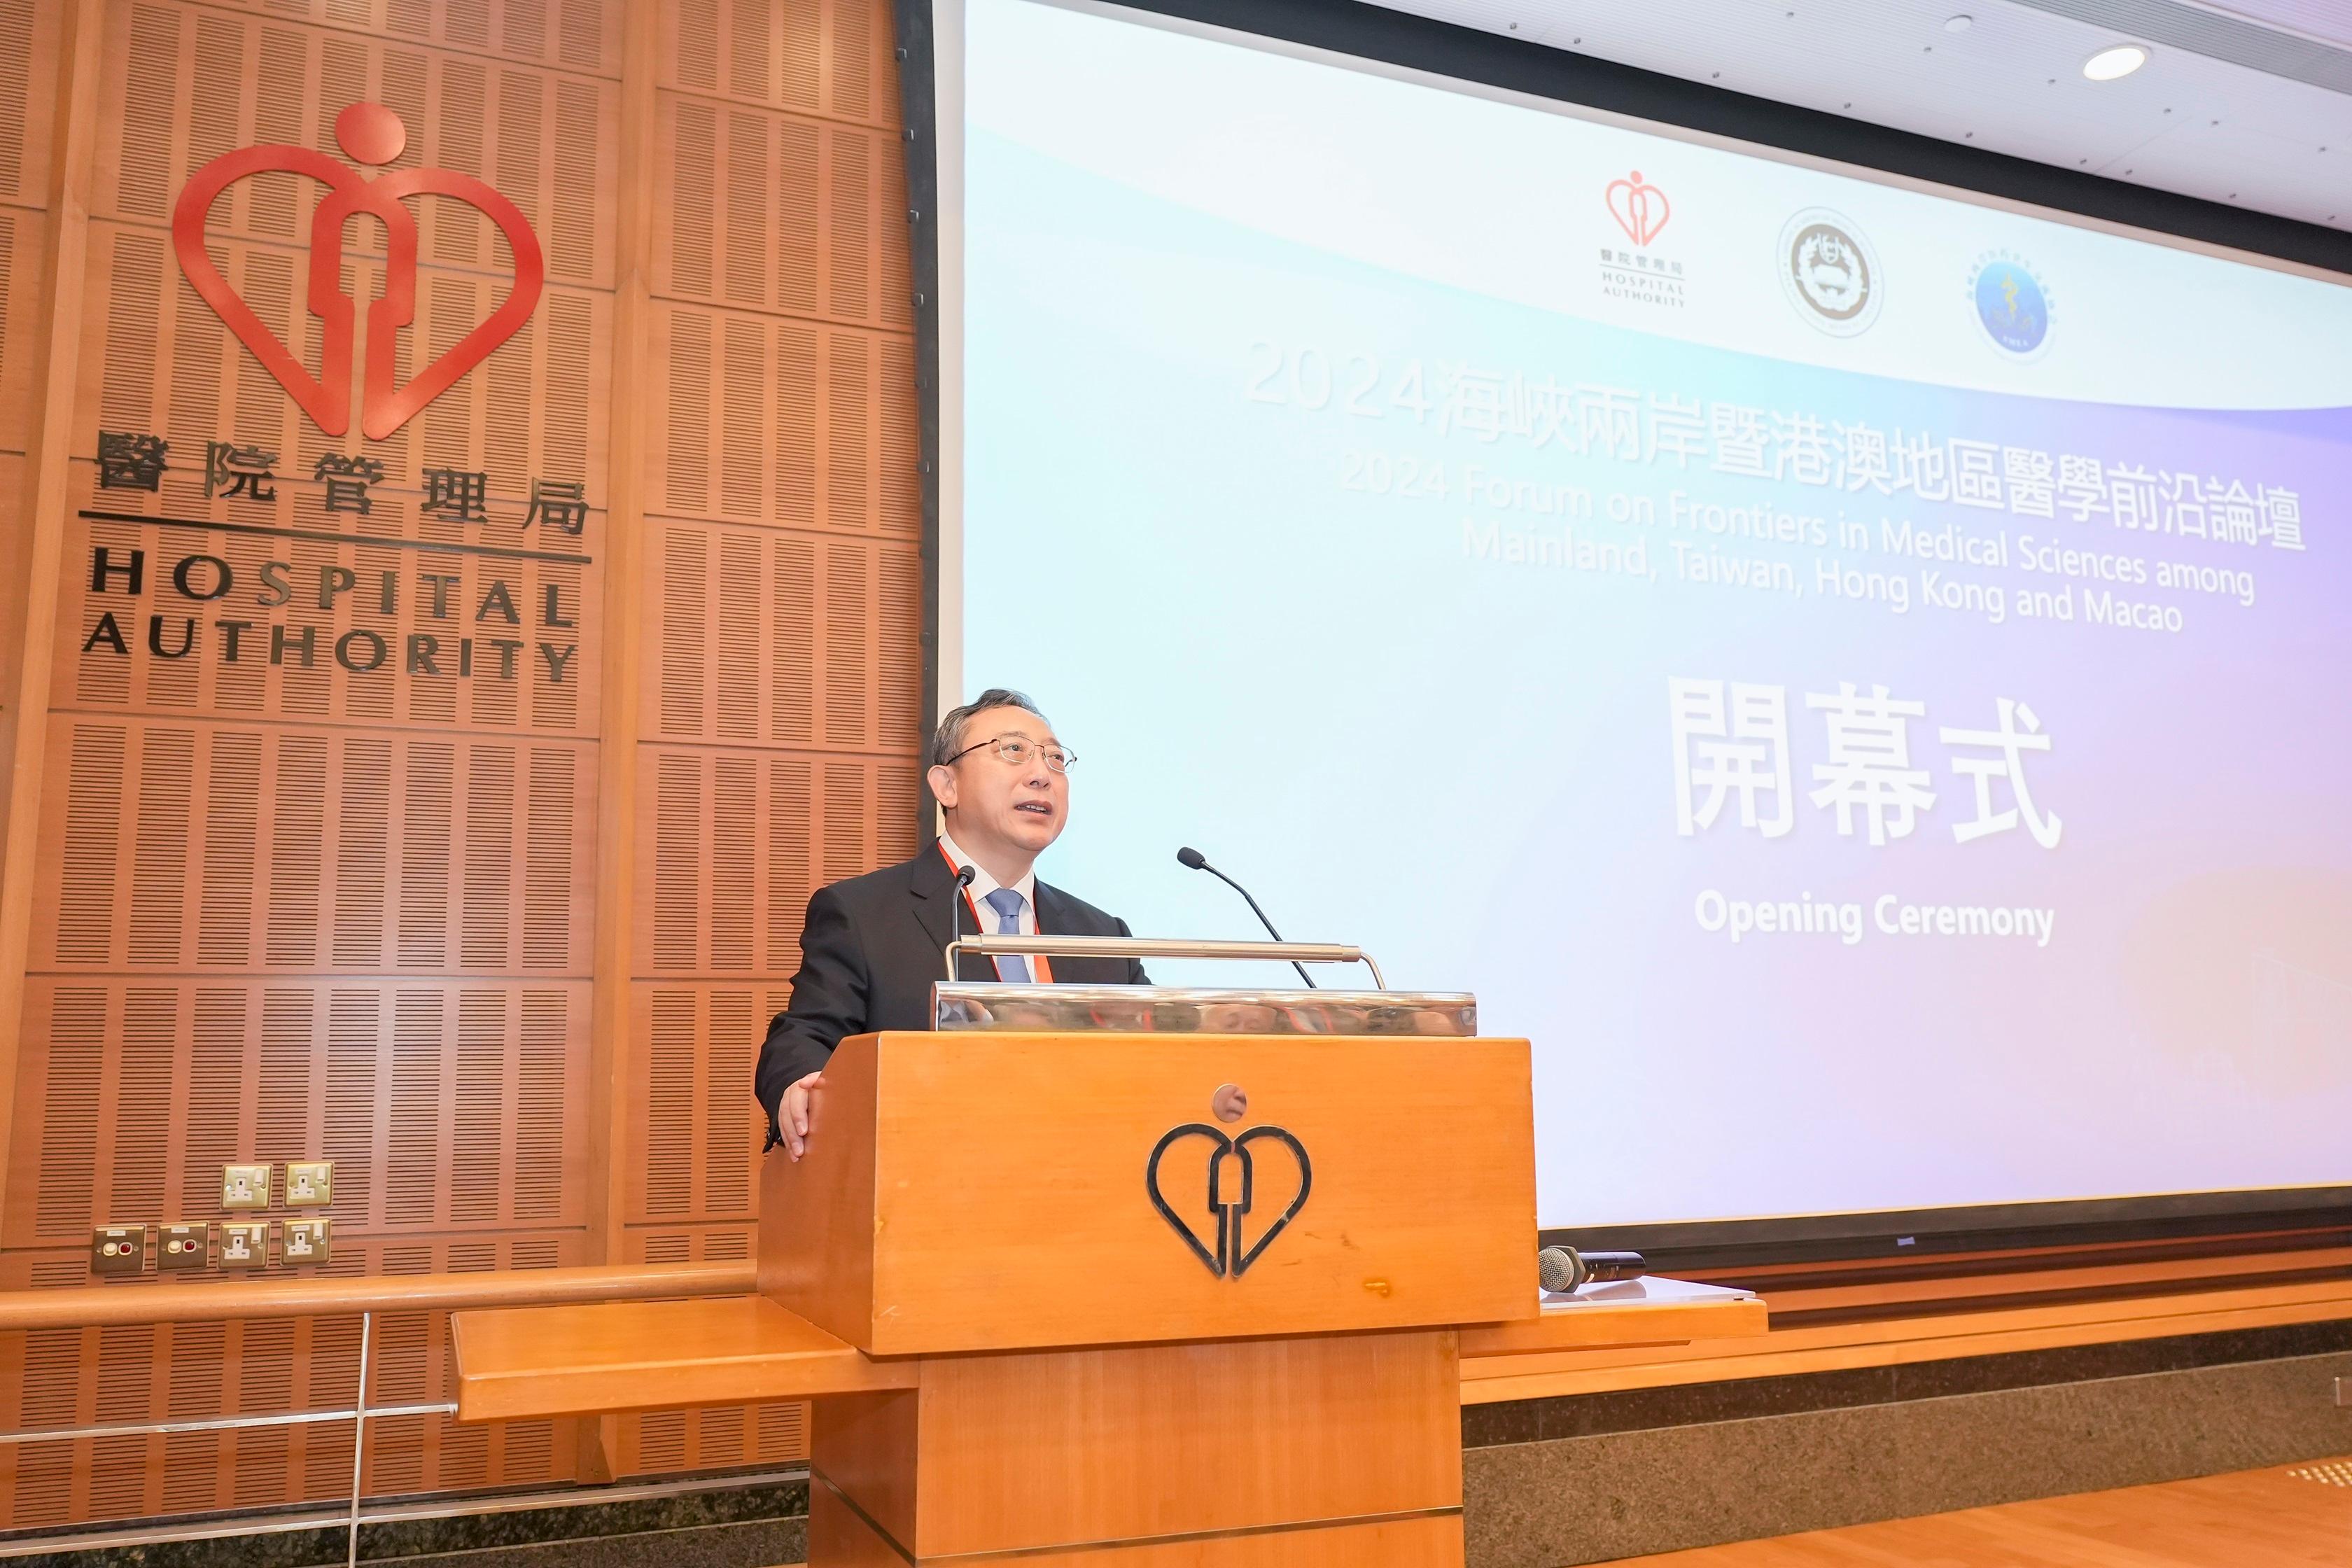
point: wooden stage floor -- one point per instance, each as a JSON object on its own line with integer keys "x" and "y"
{"x": 2257, "y": 1518}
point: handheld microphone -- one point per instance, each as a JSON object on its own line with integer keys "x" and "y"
{"x": 1560, "y": 1269}
{"x": 1192, "y": 859}
{"x": 955, "y": 904}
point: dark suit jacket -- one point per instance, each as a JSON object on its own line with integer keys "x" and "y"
{"x": 873, "y": 945}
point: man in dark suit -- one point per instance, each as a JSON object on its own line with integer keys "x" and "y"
{"x": 872, "y": 945}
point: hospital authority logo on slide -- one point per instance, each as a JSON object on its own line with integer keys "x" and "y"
{"x": 1830, "y": 272}
{"x": 1641, "y": 275}
{"x": 2013, "y": 303}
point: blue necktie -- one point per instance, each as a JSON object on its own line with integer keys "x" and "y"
{"x": 1006, "y": 903}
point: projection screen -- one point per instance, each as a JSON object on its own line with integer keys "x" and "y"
{"x": 1854, "y": 671}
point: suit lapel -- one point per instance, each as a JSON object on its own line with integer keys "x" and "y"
{"x": 928, "y": 885}
{"x": 934, "y": 898}
{"x": 1053, "y": 914}
{"x": 1056, "y": 917}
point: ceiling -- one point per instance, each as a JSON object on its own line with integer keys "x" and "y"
{"x": 2247, "y": 103}
{"x": 2328, "y": 21}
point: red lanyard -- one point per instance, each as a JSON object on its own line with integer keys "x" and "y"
{"x": 1040, "y": 969}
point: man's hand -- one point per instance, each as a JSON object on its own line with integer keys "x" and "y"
{"x": 792, "y": 1114}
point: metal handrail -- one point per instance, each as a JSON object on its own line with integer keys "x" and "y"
{"x": 1009, "y": 945}
{"x": 89, "y": 1306}
{"x": 216, "y": 1423}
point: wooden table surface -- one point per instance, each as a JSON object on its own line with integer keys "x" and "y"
{"x": 1628, "y": 1312}
{"x": 657, "y": 1356}
{"x": 651, "y": 1355}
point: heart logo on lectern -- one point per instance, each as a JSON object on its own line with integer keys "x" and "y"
{"x": 1222, "y": 1245}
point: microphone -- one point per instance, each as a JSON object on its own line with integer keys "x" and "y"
{"x": 955, "y": 907}
{"x": 1560, "y": 1269}
{"x": 1192, "y": 859}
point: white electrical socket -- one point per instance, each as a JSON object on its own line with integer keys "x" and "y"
{"x": 245, "y": 1244}
{"x": 310, "y": 1183}
{"x": 305, "y": 1241}
{"x": 245, "y": 1186}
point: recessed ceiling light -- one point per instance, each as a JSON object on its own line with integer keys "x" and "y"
{"x": 2109, "y": 65}
{"x": 1960, "y": 24}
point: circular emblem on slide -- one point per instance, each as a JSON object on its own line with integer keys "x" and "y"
{"x": 2011, "y": 303}
{"x": 1830, "y": 272}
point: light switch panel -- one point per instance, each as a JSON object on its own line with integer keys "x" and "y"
{"x": 245, "y": 1186}
{"x": 183, "y": 1245}
{"x": 118, "y": 1249}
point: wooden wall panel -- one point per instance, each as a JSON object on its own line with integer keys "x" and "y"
{"x": 738, "y": 839}
{"x": 785, "y": 421}
{"x": 345, "y": 909}
{"x": 703, "y": 1132}
{"x": 812, "y": 56}
{"x": 781, "y": 619}
{"x": 546, "y": 139}
{"x": 28, "y": 75}
{"x": 760, "y": 638}
{"x": 14, "y": 504}
{"x": 783, "y": 211}
{"x": 206, "y": 847}
{"x": 197, "y": 1370}
{"x": 577, "y": 34}
{"x": 23, "y": 232}
{"x": 674, "y": 1440}
{"x": 29, "y": 47}
{"x": 445, "y": 1105}
{"x": 296, "y": 908}
{"x": 692, "y": 1439}
{"x": 453, "y": 1112}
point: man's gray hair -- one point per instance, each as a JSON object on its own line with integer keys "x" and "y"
{"x": 948, "y": 739}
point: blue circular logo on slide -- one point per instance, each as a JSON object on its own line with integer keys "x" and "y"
{"x": 2012, "y": 305}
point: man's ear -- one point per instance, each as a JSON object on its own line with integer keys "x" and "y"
{"x": 943, "y": 786}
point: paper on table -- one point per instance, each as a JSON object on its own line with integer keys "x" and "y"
{"x": 1617, "y": 1291}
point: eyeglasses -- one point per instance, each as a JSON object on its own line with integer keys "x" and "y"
{"x": 1014, "y": 749}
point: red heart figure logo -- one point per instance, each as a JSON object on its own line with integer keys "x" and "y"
{"x": 369, "y": 133}
{"x": 1639, "y": 209}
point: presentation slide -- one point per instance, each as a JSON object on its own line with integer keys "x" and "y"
{"x": 1854, "y": 672}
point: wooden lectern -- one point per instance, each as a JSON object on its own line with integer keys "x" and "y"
{"x": 1118, "y": 1300}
